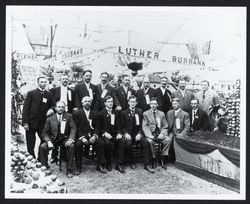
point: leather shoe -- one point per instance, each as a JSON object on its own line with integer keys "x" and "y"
{"x": 109, "y": 167}
{"x": 146, "y": 167}
{"x": 118, "y": 167}
{"x": 69, "y": 173}
{"x": 163, "y": 164}
{"x": 132, "y": 166}
{"x": 101, "y": 169}
{"x": 78, "y": 171}
{"x": 54, "y": 160}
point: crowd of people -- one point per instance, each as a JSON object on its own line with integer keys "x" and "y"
{"x": 101, "y": 116}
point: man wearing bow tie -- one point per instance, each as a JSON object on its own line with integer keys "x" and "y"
{"x": 108, "y": 129}
{"x": 184, "y": 95}
{"x": 86, "y": 88}
{"x": 122, "y": 93}
{"x": 164, "y": 96}
{"x": 198, "y": 118}
{"x": 155, "y": 128}
{"x": 131, "y": 120}
{"x": 67, "y": 95}
{"x": 39, "y": 104}
{"x": 59, "y": 129}
{"x": 103, "y": 90}
{"x": 84, "y": 120}
{"x": 143, "y": 95}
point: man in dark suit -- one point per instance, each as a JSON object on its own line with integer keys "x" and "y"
{"x": 84, "y": 119}
{"x": 122, "y": 93}
{"x": 184, "y": 95}
{"x": 143, "y": 95}
{"x": 86, "y": 88}
{"x": 131, "y": 120}
{"x": 198, "y": 118}
{"x": 155, "y": 128}
{"x": 59, "y": 129}
{"x": 38, "y": 104}
{"x": 108, "y": 129}
{"x": 67, "y": 95}
{"x": 178, "y": 120}
{"x": 103, "y": 90}
{"x": 164, "y": 96}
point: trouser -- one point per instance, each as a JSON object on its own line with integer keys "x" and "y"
{"x": 166, "y": 145}
{"x": 31, "y": 141}
{"x": 146, "y": 150}
{"x": 44, "y": 151}
{"x": 103, "y": 149}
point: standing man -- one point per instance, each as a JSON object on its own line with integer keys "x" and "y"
{"x": 59, "y": 129}
{"x": 65, "y": 94}
{"x": 84, "y": 120}
{"x": 198, "y": 118}
{"x": 104, "y": 89}
{"x": 131, "y": 120}
{"x": 38, "y": 104}
{"x": 209, "y": 100}
{"x": 164, "y": 96}
{"x": 143, "y": 95}
{"x": 108, "y": 128}
{"x": 178, "y": 120}
{"x": 155, "y": 128}
{"x": 184, "y": 95}
{"x": 122, "y": 93}
{"x": 86, "y": 88}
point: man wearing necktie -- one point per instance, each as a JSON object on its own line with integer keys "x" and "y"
{"x": 143, "y": 95}
{"x": 38, "y": 105}
{"x": 164, "y": 96}
{"x": 108, "y": 129}
{"x": 184, "y": 95}
{"x": 131, "y": 120}
{"x": 84, "y": 119}
{"x": 122, "y": 93}
{"x": 155, "y": 129}
{"x": 86, "y": 88}
{"x": 199, "y": 118}
{"x": 103, "y": 90}
{"x": 67, "y": 95}
{"x": 59, "y": 129}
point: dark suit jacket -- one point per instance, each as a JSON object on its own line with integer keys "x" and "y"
{"x": 127, "y": 122}
{"x": 81, "y": 91}
{"x": 82, "y": 123}
{"x": 34, "y": 109}
{"x": 110, "y": 92}
{"x": 186, "y": 101}
{"x": 122, "y": 97}
{"x": 164, "y": 101}
{"x": 57, "y": 95}
{"x": 201, "y": 120}
{"x": 103, "y": 123}
{"x": 140, "y": 95}
{"x": 50, "y": 130}
{"x": 184, "y": 122}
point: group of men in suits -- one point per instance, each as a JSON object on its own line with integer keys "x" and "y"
{"x": 102, "y": 116}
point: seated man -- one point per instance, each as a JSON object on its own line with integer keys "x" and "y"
{"x": 131, "y": 120}
{"x": 199, "y": 118}
{"x": 59, "y": 129}
{"x": 84, "y": 119}
{"x": 108, "y": 130}
{"x": 178, "y": 120}
{"x": 155, "y": 128}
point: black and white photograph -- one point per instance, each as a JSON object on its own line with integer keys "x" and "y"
{"x": 127, "y": 102}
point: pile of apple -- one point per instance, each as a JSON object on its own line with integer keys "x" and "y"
{"x": 30, "y": 175}
{"x": 233, "y": 105}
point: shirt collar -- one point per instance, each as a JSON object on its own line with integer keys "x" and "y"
{"x": 41, "y": 89}
{"x": 64, "y": 87}
{"x": 177, "y": 111}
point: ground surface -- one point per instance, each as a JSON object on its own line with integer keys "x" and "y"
{"x": 170, "y": 181}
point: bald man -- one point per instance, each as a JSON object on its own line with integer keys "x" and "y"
{"x": 143, "y": 95}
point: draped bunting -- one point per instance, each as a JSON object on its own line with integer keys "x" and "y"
{"x": 203, "y": 148}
